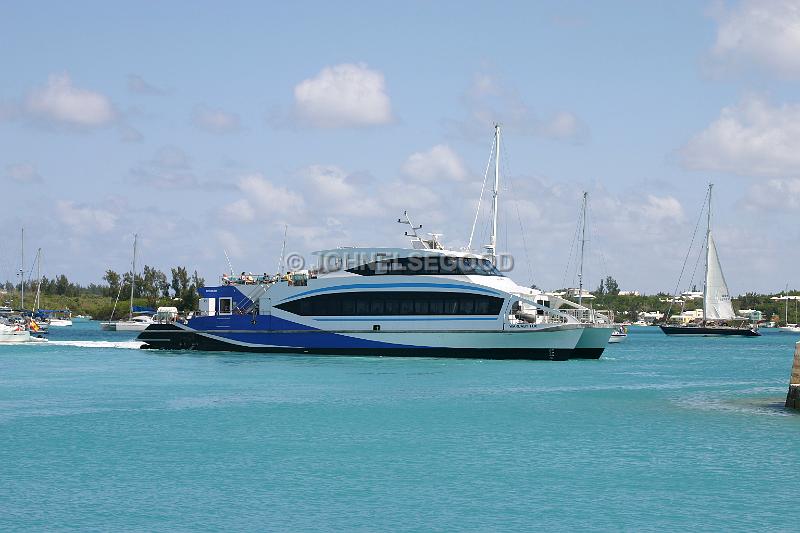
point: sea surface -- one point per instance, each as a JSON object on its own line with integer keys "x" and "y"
{"x": 660, "y": 434}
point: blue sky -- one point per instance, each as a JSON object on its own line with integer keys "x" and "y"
{"x": 206, "y": 128}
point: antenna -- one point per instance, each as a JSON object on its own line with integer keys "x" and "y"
{"x": 228, "y": 259}
{"x": 414, "y": 228}
{"x": 281, "y": 266}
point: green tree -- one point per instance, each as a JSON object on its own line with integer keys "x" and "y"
{"x": 180, "y": 280}
{"x": 612, "y": 287}
{"x": 112, "y": 278}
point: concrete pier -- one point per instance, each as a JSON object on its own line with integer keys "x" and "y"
{"x": 793, "y": 396}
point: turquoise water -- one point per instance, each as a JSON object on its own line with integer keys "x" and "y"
{"x": 662, "y": 433}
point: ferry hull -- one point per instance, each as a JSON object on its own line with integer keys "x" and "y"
{"x": 593, "y": 341}
{"x": 557, "y": 344}
{"x": 710, "y": 331}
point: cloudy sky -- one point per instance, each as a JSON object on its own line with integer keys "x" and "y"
{"x": 206, "y": 128}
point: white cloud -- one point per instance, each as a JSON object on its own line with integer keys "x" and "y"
{"x": 238, "y": 211}
{"x": 215, "y": 120}
{"x": 23, "y": 173}
{"x": 60, "y": 101}
{"x": 343, "y": 96}
{"x": 438, "y": 163}
{"x": 659, "y": 208}
{"x": 413, "y": 196}
{"x": 751, "y": 138}
{"x": 489, "y": 102}
{"x": 562, "y": 125}
{"x": 85, "y": 219}
{"x": 330, "y": 189}
{"x": 774, "y": 194}
{"x": 270, "y": 197}
{"x": 170, "y": 168}
{"x": 765, "y": 33}
{"x": 231, "y": 243}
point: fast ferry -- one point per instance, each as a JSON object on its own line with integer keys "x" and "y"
{"x": 419, "y": 301}
{"x": 427, "y": 302}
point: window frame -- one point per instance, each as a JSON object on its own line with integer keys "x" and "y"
{"x": 230, "y": 305}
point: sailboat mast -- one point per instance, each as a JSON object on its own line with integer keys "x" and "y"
{"x": 39, "y": 277}
{"x": 786, "y": 310}
{"x": 583, "y": 246}
{"x": 493, "y": 241}
{"x": 133, "y": 271}
{"x": 22, "y": 270}
{"x": 708, "y": 234}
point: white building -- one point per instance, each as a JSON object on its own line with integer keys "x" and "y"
{"x": 575, "y": 293}
{"x": 650, "y": 316}
{"x": 629, "y": 293}
{"x": 692, "y": 295}
{"x": 688, "y": 316}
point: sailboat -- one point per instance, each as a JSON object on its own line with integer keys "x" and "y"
{"x": 788, "y": 327}
{"x": 718, "y": 316}
{"x": 133, "y": 323}
{"x": 597, "y": 327}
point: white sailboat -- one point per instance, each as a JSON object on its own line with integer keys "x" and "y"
{"x": 718, "y": 316}
{"x": 134, "y": 322}
{"x": 789, "y": 328}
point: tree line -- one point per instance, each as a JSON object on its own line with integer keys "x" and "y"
{"x": 151, "y": 284}
{"x": 627, "y": 307}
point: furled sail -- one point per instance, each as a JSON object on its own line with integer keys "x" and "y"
{"x": 718, "y": 301}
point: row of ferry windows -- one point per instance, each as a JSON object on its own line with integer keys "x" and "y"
{"x": 395, "y": 303}
{"x": 428, "y": 265}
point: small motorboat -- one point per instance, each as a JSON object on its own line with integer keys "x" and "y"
{"x": 618, "y": 335}
{"x": 136, "y": 323}
{"x": 14, "y": 333}
{"x": 790, "y": 328}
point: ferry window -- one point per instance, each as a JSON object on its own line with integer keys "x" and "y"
{"x": 376, "y": 307}
{"x": 392, "y": 307}
{"x": 427, "y": 265}
{"x": 225, "y": 306}
{"x": 382, "y": 303}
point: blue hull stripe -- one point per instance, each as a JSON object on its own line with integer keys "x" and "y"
{"x": 396, "y": 286}
{"x": 382, "y": 319}
{"x": 309, "y": 340}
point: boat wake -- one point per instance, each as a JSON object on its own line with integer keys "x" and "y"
{"x": 125, "y": 345}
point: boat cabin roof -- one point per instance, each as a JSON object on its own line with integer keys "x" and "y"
{"x": 372, "y": 254}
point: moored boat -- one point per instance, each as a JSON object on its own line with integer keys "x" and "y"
{"x": 718, "y": 318}
{"x": 11, "y": 333}
{"x": 618, "y": 335}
